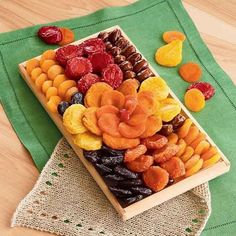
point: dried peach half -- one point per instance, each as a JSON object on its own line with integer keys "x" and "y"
{"x": 129, "y": 131}
{"x": 138, "y": 116}
{"x": 133, "y": 153}
{"x": 140, "y": 164}
{"x": 114, "y": 98}
{"x": 129, "y": 87}
{"x": 153, "y": 125}
{"x": 107, "y": 109}
{"x": 165, "y": 153}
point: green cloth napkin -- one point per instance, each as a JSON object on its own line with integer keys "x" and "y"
{"x": 144, "y": 22}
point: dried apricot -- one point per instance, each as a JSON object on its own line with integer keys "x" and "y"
{"x": 192, "y": 135}
{"x": 88, "y": 141}
{"x": 211, "y": 161}
{"x": 189, "y": 151}
{"x": 169, "y": 36}
{"x": 165, "y": 153}
{"x": 53, "y": 103}
{"x": 46, "y": 85}
{"x": 192, "y": 161}
{"x": 156, "y": 85}
{"x": 120, "y": 143}
{"x": 194, "y": 100}
{"x": 194, "y": 169}
{"x": 114, "y": 98}
{"x": 140, "y": 164}
{"x": 70, "y": 92}
{"x": 190, "y": 72}
{"x": 52, "y": 91}
{"x": 148, "y": 102}
{"x": 172, "y": 138}
{"x": 35, "y": 73}
{"x": 202, "y": 147}
{"x": 89, "y": 120}
{"x": 40, "y": 80}
{"x": 133, "y": 153}
{"x": 138, "y": 116}
{"x": 154, "y": 142}
{"x": 170, "y": 55}
{"x": 131, "y": 103}
{"x": 109, "y": 123}
{"x": 129, "y": 131}
{"x": 47, "y": 64}
{"x": 153, "y": 125}
{"x": 175, "y": 167}
{"x": 64, "y": 86}
{"x": 209, "y": 153}
{"x": 184, "y": 129}
{"x": 107, "y": 109}
{"x": 156, "y": 178}
{"x": 72, "y": 119}
{"x": 67, "y": 36}
{"x": 48, "y": 54}
{"x": 31, "y": 64}
{"x": 55, "y": 70}
{"x": 182, "y": 146}
{"x": 129, "y": 87}
{"x": 94, "y": 94}
{"x": 58, "y": 80}
{"x": 200, "y": 138}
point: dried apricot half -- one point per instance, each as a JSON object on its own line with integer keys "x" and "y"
{"x": 129, "y": 131}
{"x": 114, "y": 98}
{"x": 194, "y": 100}
{"x": 165, "y": 153}
{"x": 169, "y": 36}
{"x": 153, "y": 125}
{"x": 133, "y": 153}
{"x": 140, "y": 164}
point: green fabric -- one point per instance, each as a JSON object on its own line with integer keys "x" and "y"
{"x": 144, "y": 22}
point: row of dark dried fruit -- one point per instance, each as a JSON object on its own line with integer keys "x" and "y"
{"x": 126, "y": 185}
{"x": 131, "y": 62}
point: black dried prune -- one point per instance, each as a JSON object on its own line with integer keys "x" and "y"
{"x": 120, "y": 170}
{"x": 106, "y": 151}
{"x": 91, "y": 156}
{"x": 114, "y": 177}
{"x": 77, "y": 98}
{"x": 131, "y": 183}
{"x": 178, "y": 121}
{"x": 62, "y": 106}
{"x": 119, "y": 192}
{"x": 141, "y": 190}
{"x": 103, "y": 169}
{"x": 130, "y": 200}
{"x": 112, "y": 160}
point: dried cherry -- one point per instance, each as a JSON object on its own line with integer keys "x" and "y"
{"x": 50, "y": 34}
{"x": 93, "y": 45}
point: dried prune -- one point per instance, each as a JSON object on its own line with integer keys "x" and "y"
{"x": 77, "y": 98}
{"x": 120, "y": 170}
{"x": 114, "y": 177}
{"x": 107, "y": 151}
{"x": 178, "y": 121}
{"x": 119, "y": 192}
{"x": 103, "y": 169}
{"x": 130, "y": 200}
{"x": 62, "y": 106}
{"x": 112, "y": 160}
{"x": 91, "y": 156}
{"x": 131, "y": 182}
{"x": 50, "y": 34}
{"x": 141, "y": 190}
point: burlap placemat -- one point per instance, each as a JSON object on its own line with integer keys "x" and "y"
{"x": 66, "y": 201}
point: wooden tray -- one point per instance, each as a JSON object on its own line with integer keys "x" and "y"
{"x": 157, "y": 198}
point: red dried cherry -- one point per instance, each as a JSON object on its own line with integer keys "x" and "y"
{"x": 93, "y": 45}
{"x": 87, "y": 81}
{"x": 50, "y": 34}
{"x": 206, "y": 88}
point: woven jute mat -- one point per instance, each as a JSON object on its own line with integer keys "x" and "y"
{"x": 67, "y": 201}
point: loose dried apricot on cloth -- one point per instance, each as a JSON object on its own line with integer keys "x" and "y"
{"x": 170, "y": 36}
{"x": 190, "y": 72}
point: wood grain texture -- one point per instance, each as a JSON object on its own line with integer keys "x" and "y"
{"x": 215, "y": 19}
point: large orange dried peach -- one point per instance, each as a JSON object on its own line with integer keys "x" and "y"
{"x": 129, "y": 131}
{"x": 138, "y": 116}
{"x": 153, "y": 125}
{"x": 107, "y": 109}
{"x": 114, "y": 98}
{"x": 129, "y": 87}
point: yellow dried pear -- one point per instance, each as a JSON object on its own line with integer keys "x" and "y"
{"x": 170, "y": 55}
{"x": 72, "y": 119}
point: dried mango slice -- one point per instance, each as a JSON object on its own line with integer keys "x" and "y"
{"x": 194, "y": 100}
{"x": 194, "y": 169}
{"x": 156, "y": 85}
{"x": 170, "y": 55}
{"x": 88, "y": 141}
{"x": 211, "y": 161}
{"x": 170, "y": 36}
{"x": 72, "y": 119}
{"x": 169, "y": 108}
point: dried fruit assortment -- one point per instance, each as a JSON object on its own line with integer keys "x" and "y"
{"x": 121, "y": 115}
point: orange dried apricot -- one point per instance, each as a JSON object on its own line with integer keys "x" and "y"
{"x": 46, "y": 85}
{"x": 58, "y": 80}
{"x": 47, "y": 64}
{"x": 189, "y": 151}
{"x": 194, "y": 100}
{"x": 182, "y": 146}
{"x": 70, "y": 92}
{"x": 48, "y": 54}
{"x": 192, "y": 161}
{"x": 131, "y": 103}
{"x": 169, "y": 36}
{"x": 55, "y": 70}
{"x": 175, "y": 167}
{"x": 89, "y": 120}
{"x": 153, "y": 125}
{"x": 40, "y": 80}
{"x": 194, "y": 169}
{"x": 165, "y": 153}
{"x": 192, "y": 135}
{"x": 35, "y": 73}
{"x": 107, "y": 109}
{"x": 156, "y": 141}
{"x": 138, "y": 116}
{"x": 200, "y": 138}
{"x": 184, "y": 129}
{"x": 129, "y": 131}
{"x": 53, "y": 103}
{"x": 209, "y": 153}
{"x": 202, "y": 147}
{"x": 133, "y": 153}
{"x": 140, "y": 164}
{"x": 211, "y": 161}
{"x": 94, "y": 94}
{"x": 172, "y": 138}
{"x": 120, "y": 143}
{"x": 156, "y": 178}
{"x": 64, "y": 86}
{"x": 190, "y": 72}
{"x": 68, "y": 36}
{"x": 109, "y": 123}
{"x": 52, "y": 91}
{"x": 129, "y": 87}
{"x": 114, "y": 98}
{"x": 31, "y": 64}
